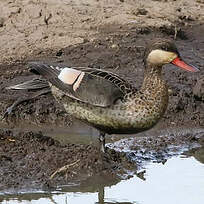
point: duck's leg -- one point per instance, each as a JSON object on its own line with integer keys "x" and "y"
{"x": 102, "y": 141}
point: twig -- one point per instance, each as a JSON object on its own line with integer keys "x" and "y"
{"x": 64, "y": 168}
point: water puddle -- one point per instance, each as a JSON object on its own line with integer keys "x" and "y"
{"x": 81, "y": 133}
{"x": 179, "y": 180}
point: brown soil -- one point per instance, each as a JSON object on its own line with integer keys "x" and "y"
{"x": 99, "y": 34}
{"x": 28, "y": 27}
{"x": 28, "y": 160}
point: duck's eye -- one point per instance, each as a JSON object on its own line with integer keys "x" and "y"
{"x": 164, "y": 48}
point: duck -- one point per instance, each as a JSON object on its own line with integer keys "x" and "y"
{"x": 107, "y": 101}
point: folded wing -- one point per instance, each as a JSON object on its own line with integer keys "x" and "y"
{"x": 88, "y": 85}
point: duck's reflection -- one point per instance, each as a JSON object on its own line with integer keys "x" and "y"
{"x": 101, "y": 198}
{"x": 93, "y": 185}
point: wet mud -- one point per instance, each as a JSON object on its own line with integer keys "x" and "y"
{"x": 28, "y": 158}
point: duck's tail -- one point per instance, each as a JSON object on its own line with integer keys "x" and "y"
{"x": 34, "y": 84}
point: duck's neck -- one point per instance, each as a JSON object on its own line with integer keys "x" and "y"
{"x": 155, "y": 89}
{"x": 153, "y": 81}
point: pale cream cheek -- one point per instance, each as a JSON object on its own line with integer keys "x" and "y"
{"x": 159, "y": 57}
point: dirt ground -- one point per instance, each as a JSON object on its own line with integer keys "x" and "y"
{"x": 104, "y": 34}
{"x": 28, "y": 27}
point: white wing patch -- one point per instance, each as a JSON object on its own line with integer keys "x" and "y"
{"x": 71, "y": 77}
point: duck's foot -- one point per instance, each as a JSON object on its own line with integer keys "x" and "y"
{"x": 102, "y": 142}
{"x": 63, "y": 169}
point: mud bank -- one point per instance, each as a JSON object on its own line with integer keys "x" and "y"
{"x": 29, "y": 159}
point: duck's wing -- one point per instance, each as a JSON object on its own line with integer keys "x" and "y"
{"x": 93, "y": 86}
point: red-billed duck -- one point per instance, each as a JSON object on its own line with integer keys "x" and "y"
{"x": 105, "y": 100}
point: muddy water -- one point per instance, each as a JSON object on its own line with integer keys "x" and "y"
{"x": 81, "y": 133}
{"x": 179, "y": 180}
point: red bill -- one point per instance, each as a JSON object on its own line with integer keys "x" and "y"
{"x": 180, "y": 63}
